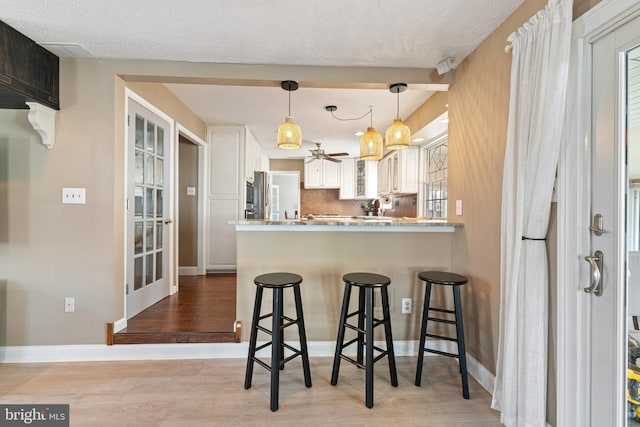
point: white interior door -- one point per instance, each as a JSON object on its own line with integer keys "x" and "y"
{"x": 607, "y": 313}
{"x": 147, "y": 209}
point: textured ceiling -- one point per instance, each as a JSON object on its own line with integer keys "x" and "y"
{"x": 367, "y": 33}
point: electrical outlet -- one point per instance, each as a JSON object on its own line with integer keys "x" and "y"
{"x": 69, "y": 304}
{"x": 407, "y": 306}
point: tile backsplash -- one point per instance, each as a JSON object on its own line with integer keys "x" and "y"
{"x": 318, "y": 201}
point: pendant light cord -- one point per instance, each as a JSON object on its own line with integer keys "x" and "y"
{"x": 289, "y": 103}
{"x": 398, "y": 104}
{"x": 355, "y": 118}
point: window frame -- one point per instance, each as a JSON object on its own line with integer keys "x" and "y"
{"x": 442, "y": 139}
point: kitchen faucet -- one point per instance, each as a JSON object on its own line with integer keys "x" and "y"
{"x": 379, "y": 210}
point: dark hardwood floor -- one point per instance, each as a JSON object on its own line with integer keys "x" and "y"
{"x": 202, "y": 311}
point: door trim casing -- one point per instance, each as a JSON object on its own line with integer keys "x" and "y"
{"x": 573, "y": 212}
{"x": 130, "y": 95}
{"x": 203, "y": 152}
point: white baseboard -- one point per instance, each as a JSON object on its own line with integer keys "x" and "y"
{"x": 119, "y": 325}
{"x": 189, "y": 271}
{"x": 99, "y": 353}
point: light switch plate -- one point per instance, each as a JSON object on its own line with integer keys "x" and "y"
{"x": 69, "y": 304}
{"x": 459, "y": 207}
{"x": 191, "y": 191}
{"x": 73, "y": 196}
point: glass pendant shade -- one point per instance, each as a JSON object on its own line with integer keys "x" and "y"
{"x": 289, "y": 136}
{"x": 371, "y": 145}
{"x": 398, "y": 136}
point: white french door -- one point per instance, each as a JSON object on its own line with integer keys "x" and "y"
{"x": 602, "y": 291}
{"x": 148, "y": 209}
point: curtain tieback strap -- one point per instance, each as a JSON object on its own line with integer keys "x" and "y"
{"x": 531, "y": 238}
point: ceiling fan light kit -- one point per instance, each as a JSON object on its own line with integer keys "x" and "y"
{"x": 319, "y": 154}
{"x": 398, "y": 135}
{"x": 289, "y": 134}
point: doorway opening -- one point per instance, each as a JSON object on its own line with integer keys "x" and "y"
{"x": 285, "y": 194}
{"x": 190, "y": 204}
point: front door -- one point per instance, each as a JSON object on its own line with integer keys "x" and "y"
{"x": 614, "y": 61}
{"x": 147, "y": 209}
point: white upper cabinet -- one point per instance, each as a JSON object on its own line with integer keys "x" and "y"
{"x": 359, "y": 179}
{"x": 320, "y": 173}
{"x": 399, "y": 172}
{"x": 348, "y": 183}
{"x": 253, "y": 158}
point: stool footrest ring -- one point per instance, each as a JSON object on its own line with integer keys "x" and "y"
{"x": 290, "y": 322}
{"x": 265, "y": 345}
{"x": 442, "y": 353}
{"x": 350, "y": 360}
{"x": 347, "y": 344}
{"x": 441, "y": 337}
{"x": 442, "y": 310}
{"x": 263, "y": 329}
{"x": 439, "y": 320}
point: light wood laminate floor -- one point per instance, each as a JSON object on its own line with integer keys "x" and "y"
{"x": 211, "y": 393}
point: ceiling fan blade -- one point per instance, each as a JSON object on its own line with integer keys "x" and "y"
{"x": 338, "y": 154}
{"x": 331, "y": 159}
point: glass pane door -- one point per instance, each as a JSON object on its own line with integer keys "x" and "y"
{"x": 147, "y": 251}
{"x": 633, "y": 235}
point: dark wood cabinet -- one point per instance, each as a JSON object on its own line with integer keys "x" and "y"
{"x": 28, "y": 72}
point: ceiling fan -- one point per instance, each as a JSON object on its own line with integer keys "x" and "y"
{"x": 319, "y": 153}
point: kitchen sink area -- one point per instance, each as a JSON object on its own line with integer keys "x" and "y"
{"x": 329, "y": 217}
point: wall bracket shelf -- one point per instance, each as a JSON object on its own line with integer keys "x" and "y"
{"x": 43, "y": 120}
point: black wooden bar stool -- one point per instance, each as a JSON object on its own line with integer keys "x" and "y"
{"x": 455, "y": 281}
{"x": 366, "y": 282}
{"x": 277, "y": 282}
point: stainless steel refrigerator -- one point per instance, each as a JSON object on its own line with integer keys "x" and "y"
{"x": 261, "y": 195}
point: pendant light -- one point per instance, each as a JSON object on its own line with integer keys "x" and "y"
{"x": 398, "y": 135}
{"x": 289, "y": 136}
{"x": 371, "y": 143}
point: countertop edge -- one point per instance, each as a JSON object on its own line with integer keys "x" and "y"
{"x": 364, "y": 225}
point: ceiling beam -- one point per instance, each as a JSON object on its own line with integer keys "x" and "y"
{"x": 272, "y": 75}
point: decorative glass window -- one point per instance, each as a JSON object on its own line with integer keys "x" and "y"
{"x": 436, "y": 179}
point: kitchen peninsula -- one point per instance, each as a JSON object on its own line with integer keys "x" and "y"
{"x": 322, "y": 250}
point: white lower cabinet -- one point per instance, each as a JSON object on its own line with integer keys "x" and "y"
{"x": 222, "y": 235}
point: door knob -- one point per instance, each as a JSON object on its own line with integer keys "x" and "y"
{"x": 596, "y": 228}
{"x": 168, "y": 220}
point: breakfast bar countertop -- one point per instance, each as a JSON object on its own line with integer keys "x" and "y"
{"x": 347, "y": 223}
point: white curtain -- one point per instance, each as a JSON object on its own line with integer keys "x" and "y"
{"x": 538, "y": 90}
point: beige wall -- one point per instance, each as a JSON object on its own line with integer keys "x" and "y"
{"x": 581, "y": 6}
{"x": 323, "y": 257}
{"x": 49, "y": 251}
{"x": 290, "y": 165}
{"x": 478, "y": 113}
{"x": 187, "y": 205}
